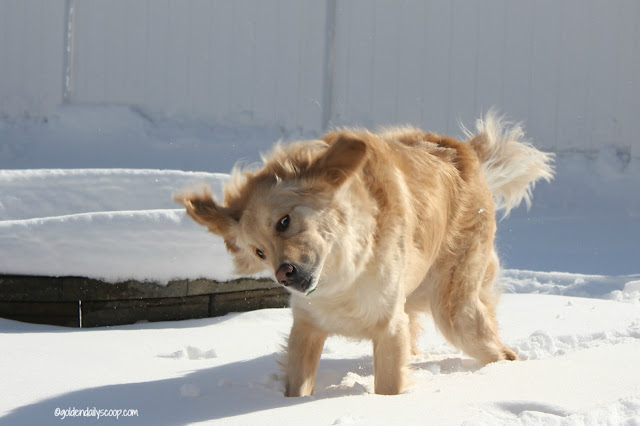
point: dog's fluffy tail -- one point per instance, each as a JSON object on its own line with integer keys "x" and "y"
{"x": 511, "y": 165}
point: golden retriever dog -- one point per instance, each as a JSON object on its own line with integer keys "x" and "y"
{"x": 368, "y": 230}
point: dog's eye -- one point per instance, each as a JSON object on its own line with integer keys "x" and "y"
{"x": 283, "y": 224}
{"x": 260, "y": 254}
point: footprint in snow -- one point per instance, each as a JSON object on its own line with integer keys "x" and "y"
{"x": 191, "y": 353}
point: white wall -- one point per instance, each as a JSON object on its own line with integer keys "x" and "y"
{"x": 31, "y": 56}
{"x": 239, "y": 62}
{"x": 570, "y": 69}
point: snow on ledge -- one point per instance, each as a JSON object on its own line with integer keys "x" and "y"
{"x": 109, "y": 224}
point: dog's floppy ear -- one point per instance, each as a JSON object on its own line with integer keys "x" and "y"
{"x": 342, "y": 159}
{"x": 204, "y": 210}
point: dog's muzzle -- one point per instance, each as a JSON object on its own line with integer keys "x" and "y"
{"x": 291, "y": 276}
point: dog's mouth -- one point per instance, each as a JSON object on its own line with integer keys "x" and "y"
{"x": 296, "y": 278}
{"x": 302, "y": 284}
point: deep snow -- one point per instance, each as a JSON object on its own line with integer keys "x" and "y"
{"x": 578, "y": 332}
{"x": 580, "y": 367}
{"x": 111, "y": 224}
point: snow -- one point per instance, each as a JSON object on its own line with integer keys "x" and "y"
{"x": 587, "y": 220}
{"x": 577, "y": 331}
{"x": 579, "y": 357}
{"x": 111, "y": 224}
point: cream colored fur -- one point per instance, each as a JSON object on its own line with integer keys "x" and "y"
{"x": 382, "y": 227}
{"x": 511, "y": 165}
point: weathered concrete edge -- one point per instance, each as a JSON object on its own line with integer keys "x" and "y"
{"x": 26, "y": 288}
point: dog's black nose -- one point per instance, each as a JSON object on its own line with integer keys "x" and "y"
{"x": 285, "y": 272}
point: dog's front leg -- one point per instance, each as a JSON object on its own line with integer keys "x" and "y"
{"x": 391, "y": 355}
{"x": 303, "y": 355}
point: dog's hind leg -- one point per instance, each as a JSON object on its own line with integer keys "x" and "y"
{"x": 417, "y": 303}
{"x": 303, "y": 356}
{"x": 415, "y": 330}
{"x": 489, "y": 297}
{"x": 464, "y": 309}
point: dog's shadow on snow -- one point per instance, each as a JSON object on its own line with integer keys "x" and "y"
{"x": 215, "y": 393}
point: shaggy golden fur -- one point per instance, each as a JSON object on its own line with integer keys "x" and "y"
{"x": 367, "y": 230}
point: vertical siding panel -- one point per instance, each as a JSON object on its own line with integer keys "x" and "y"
{"x": 212, "y": 57}
{"x": 288, "y": 52}
{"x": 265, "y": 90}
{"x": 100, "y": 52}
{"x": 632, "y": 136}
{"x": 410, "y": 51}
{"x": 545, "y": 72}
{"x": 51, "y": 52}
{"x": 381, "y": 101}
{"x": 491, "y": 63}
{"x": 573, "y": 89}
{"x": 16, "y": 26}
{"x": 517, "y": 90}
{"x": 221, "y": 52}
{"x": 93, "y": 51}
{"x": 29, "y": 62}
{"x": 464, "y": 64}
{"x": 601, "y": 73}
{"x": 157, "y": 66}
{"x": 364, "y": 68}
{"x": 5, "y": 58}
{"x": 198, "y": 60}
{"x": 342, "y": 42}
{"x": 31, "y": 52}
{"x": 176, "y": 57}
{"x": 79, "y": 64}
{"x": 437, "y": 73}
{"x": 242, "y": 59}
{"x": 627, "y": 83}
{"x": 135, "y": 29}
{"x": 114, "y": 41}
{"x": 313, "y": 16}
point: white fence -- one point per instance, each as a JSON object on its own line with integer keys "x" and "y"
{"x": 31, "y": 56}
{"x": 570, "y": 69}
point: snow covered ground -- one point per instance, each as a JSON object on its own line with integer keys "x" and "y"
{"x": 580, "y": 367}
{"x": 68, "y": 206}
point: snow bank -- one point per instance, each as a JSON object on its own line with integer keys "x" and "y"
{"x": 580, "y": 369}
{"x": 109, "y": 224}
{"x": 623, "y": 287}
{"x": 587, "y": 220}
{"x": 28, "y": 194}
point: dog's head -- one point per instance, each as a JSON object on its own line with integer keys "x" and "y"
{"x": 284, "y": 217}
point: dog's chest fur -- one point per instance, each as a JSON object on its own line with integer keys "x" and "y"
{"x": 357, "y": 312}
